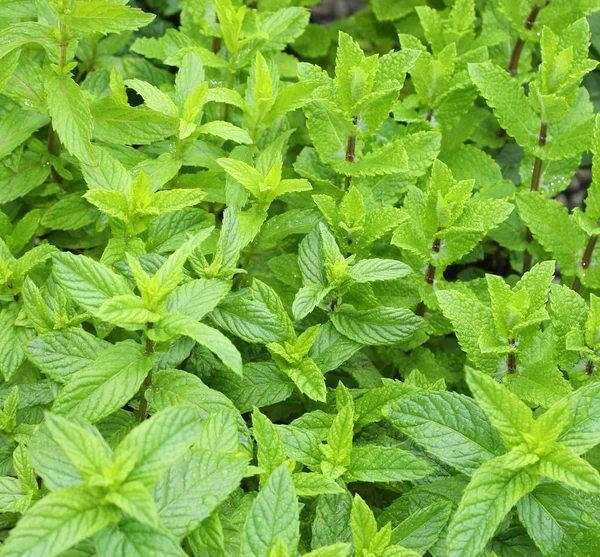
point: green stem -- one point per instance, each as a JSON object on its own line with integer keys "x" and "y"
{"x": 232, "y": 72}
{"x": 54, "y": 149}
{"x": 142, "y": 411}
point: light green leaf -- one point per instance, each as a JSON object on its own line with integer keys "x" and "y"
{"x": 557, "y": 528}
{"x": 178, "y": 324}
{"x": 226, "y": 131}
{"x": 490, "y": 495}
{"x": 105, "y": 385}
{"x": 422, "y": 528}
{"x": 158, "y": 442}
{"x": 311, "y": 484}
{"x": 57, "y": 522}
{"x": 369, "y": 270}
{"x": 71, "y": 117}
{"x": 582, "y": 429}
{"x": 380, "y": 326}
{"x": 96, "y": 16}
{"x": 507, "y": 97}
{"x": 373, "y": 463}
{"x": 561, "y": 464}
{"x": 83, "y": 449}
{"x": 274, "y": 515}
{"x": 448, "y": 425}
{"x": 130, "y": 538}
{"x": 88, "y": 282}
{"x": 60, "y": 354}
{"x": 506, "y": 412}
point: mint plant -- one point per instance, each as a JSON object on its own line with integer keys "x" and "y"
{"x": 270, "y": 287}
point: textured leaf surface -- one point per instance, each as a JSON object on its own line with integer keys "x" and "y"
{"x": 449, "y": 426}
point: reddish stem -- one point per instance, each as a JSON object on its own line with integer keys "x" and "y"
{"x": 518, "y": 48}
{"x": 350, "y": 153}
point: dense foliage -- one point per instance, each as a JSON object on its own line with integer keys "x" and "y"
{"x": 270, "y": 288}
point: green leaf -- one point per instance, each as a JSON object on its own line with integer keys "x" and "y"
{"x": 61, "y": 354}
{"x": 256, "y": 315}
{"x": 135, "y": 500}
{"x": 71, "y": 117}
{"x": 124, "y": 125}
{"x": 372, "y": 463}
{"x": 27, "y": 175}
{"x": 506, "y": 412}
{"x": 130, "y": 538}
{"x": 490, "y": 495}
{"x": 335, "y": 550}
{"x": 106, "y": 384}
{"x": 310, "y": 484}
{"x": 332, "y": 519}
{"x": 88, "y": 282}
{"x": 273, "y": 516}
{"x": 174, "y": 387}
{"x": 16, "y": 126}
{"x": 262, "y": 384}
{"x": 561, "y": 464}
{"x": 581, "y": 431}
{"x": 363, "y": 525}
{"x": 58, "y": 521}
{"x": 369, "y": 270}
{"x": 506, "y": 96}
{"x": 197, "y": 483}
{"x": 157, "y": 443}
{"x": 329, "y": 131}
{"x": 11, "y": 492}
{"x": 552, "y": 227}
{"x": 558, "y": 528}
{"x": 380, "y": 326}
{"x": 13, "y": 337}
{"x": 271, "y": 451}
{"x": 178, "y": 324}
{"x": 307, "y": 299}
{"x": 96, "y": 16}
{"x": 422, "y": 528}
{"x": 154, "y": 98}
{"x": 339, "y": 443}
{"x": 450, "y": 426}
{"x": 83, "y": 449}
{"x": 226, "y": 131}
{"x": 128, "y": 312}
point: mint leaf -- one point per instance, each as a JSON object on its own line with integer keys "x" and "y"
{"x": 273, "y": 516}
{"x": 449, "y": 426}
{"x": 59, "y": 521}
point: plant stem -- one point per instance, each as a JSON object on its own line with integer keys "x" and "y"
{"x": 516, "y": 55}
{"x": 512, "y": 362}
{"x": 429, "y": 276}
{"x": 53, "y": 149}
{"x": 216, "y": 44}
{"x": 351, "y": 153}
{"x": 590, "y": 368}
{"x": 142, "y": 411}
{"x": 518, "y": 48}
{"x": 535, "y": 186}
{"x": 232, "y": 72}
{"x": 586, "y": 260}
{"x": 429, "y": 115}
